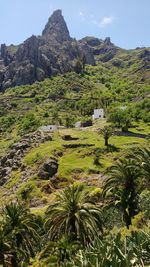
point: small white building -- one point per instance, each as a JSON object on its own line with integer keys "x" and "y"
{"x": 49, "y": 128}
{"x": 78, "y": 124}
{"x": 98, "y": 114}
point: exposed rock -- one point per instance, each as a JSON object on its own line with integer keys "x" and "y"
{"x": 3, "y": 181}
{"x": 56, "y": 28}
{"x": 49, "y": 169}
{"x": 13, "y": 160}
{"x": 42, "y": 56}
{"x": 102, "y": 50}
{"x": 47, "y": 189}
{"x": 3, "y": 160}
{"x": 92, "y": 41}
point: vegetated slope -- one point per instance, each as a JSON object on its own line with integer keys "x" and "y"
{"x": 65, "y": 99}
{"x": 104, "y": 85}
{"x": 114, "y": 78}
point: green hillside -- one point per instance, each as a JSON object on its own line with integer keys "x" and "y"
{"x": 66, "y": 99}
{"x": 116, "y": 211}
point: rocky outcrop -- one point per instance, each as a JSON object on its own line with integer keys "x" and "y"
{"x": 102, "y": 50}
{"x": 43, "y": 56}
{"x": 13, "y": 160}
{"x": 56, "y": 28}
{"x": 55, "y": 52}
{"x": 49, "y": 169}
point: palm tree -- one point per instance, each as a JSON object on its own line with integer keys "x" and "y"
{"x": 73, "y": 215}
{"x": 122, "y": 181}
{"x": 20, "y": 228}
{"x": 106, "y": 132}
{"x": 59, "y": 252}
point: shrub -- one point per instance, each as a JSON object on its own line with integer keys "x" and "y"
{"x": 29, "y": 123}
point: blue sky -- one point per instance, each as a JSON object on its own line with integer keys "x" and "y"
{"x": 127, "y": 22}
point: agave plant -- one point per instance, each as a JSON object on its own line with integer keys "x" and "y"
{"x": 115, "y": 253}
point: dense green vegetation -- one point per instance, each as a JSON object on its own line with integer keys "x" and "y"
{"x": 74, "y": 230}
{"x": 104, "y": 86}
{"x": 96, "y": 210}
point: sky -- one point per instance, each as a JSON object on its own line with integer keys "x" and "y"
{"x": 126, "y": 22}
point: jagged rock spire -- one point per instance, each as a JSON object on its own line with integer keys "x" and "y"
{"x": 56, "y": 27}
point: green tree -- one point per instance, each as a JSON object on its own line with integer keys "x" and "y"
{"x": 122, "y": 182}
{"x": 20, "y": 230}
{"x": 106, "y": 132}
{"x": 120, "y": 118}
{"x": 69, "y": 121}
{"x": 73, "y": 215}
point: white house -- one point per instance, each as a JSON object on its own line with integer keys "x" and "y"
{"x": 49, "y": 128}
{"x": 98, "y": 114}
{"x": 78, "y": 124}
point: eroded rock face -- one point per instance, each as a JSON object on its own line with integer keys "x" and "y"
{"x": 56, "y": 28}
{"x": 103, "y": 50}
{"x": 39, "y": 57}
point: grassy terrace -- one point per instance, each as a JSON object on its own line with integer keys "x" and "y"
{"x": 75, "y": 163}
{"x": 80, "y": 160}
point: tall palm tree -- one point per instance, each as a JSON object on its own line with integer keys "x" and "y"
{"x": 20, "y": 228}
{"x": 122, "y": 182}
{"x": 73, "y": 215}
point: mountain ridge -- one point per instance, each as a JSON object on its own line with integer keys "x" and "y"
{"x": 54, "y": 52}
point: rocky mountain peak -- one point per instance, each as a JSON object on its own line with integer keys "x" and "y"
{"x": 56, "y": 28}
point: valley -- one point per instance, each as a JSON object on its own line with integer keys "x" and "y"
{"x": 74, "y": 189}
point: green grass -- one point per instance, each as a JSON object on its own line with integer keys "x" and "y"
{"x": 14, "y": 179}
{"x": 75, "y": 164}
{"x": 43, "y": 151}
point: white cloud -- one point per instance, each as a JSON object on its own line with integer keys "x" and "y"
{"x": 106, "y": 21}
{"x": 82, "y": 15}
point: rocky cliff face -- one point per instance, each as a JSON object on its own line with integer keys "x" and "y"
{"x": 49, "y": 54}
{"x": 103, "y": 50}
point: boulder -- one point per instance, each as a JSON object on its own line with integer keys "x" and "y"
{"x": 49, "y": 169}
{"x": 3, "y": 181}
{"x": 3, "y": 161}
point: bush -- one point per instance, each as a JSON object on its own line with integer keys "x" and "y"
{"x": 7, "y": 122}
{"x": 29, "y": 123}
